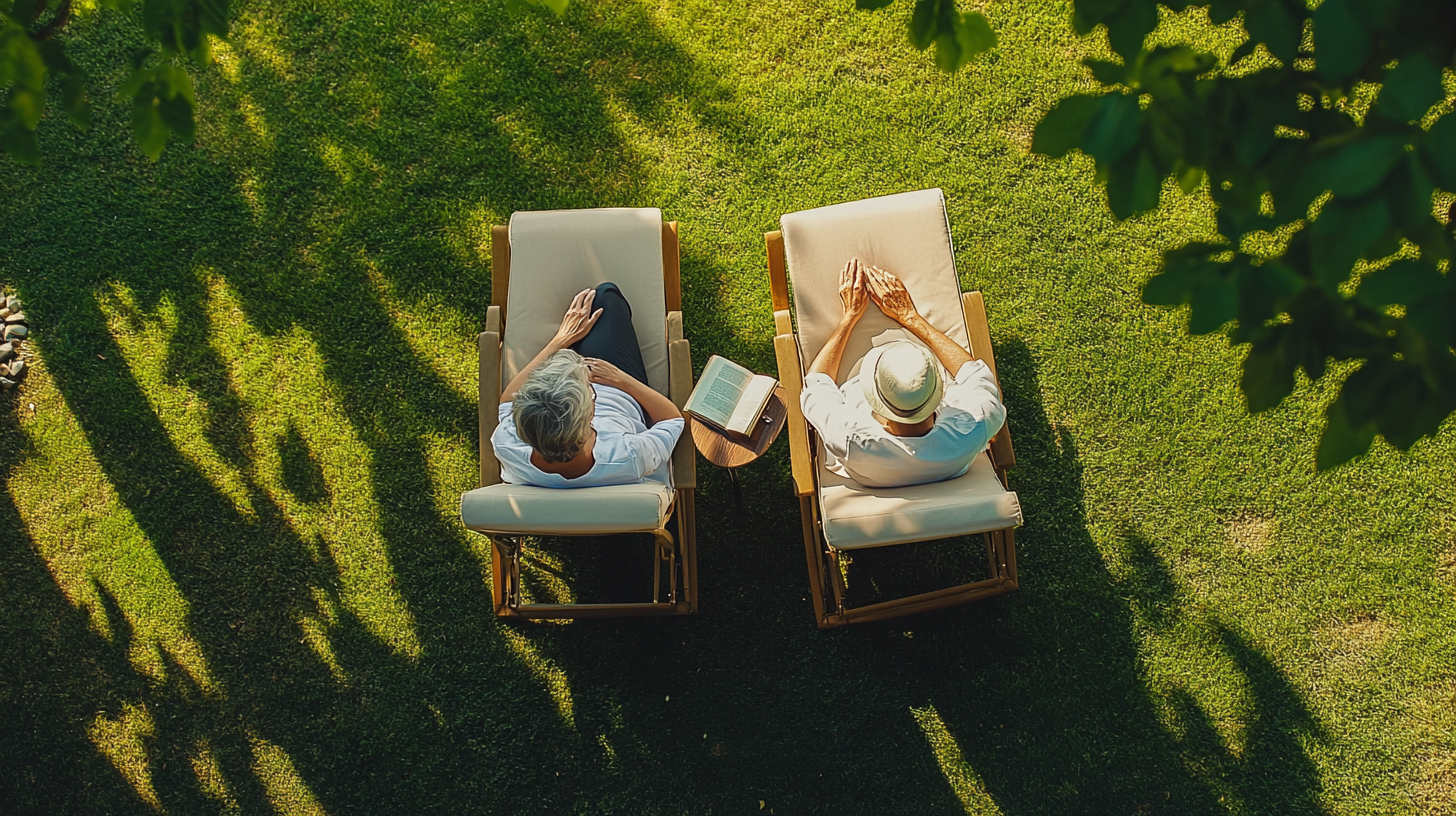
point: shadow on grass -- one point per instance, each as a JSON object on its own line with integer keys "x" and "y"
{"x": 315, "y": 222}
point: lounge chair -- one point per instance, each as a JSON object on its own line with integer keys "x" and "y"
{"x": 538, "y": 263}
{"x": 909, "y": 235}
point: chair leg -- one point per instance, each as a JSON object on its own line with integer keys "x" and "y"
{"x": 812, "y": 555}
{"x": 1009, "y": 537}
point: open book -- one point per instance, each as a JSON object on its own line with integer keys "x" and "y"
{"x": 729, "y": 396}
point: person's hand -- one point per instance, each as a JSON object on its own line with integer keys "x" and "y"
{"x": 852, "y": 292}
{"x": 578, "y": 320}
{"x": 892, "y": 296}
{"x": 604, "y": 373}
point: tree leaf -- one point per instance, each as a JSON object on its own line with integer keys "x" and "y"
{"x": 18, "y": 140}
{"x": 213, "y": 16}
{"x": 1189, "y": 178}
{"x": 1127, "y": 30}
{"x": 1221, "y": 11}
{"x": 1273, "y": 25}
{"x": 1097, "y": 11}
{"x": 1268, "y": 376}
{"x": 73, "y": 98}
{"x": 1410, "y": 89}
{"x": 1255, "y": 137}
{"x": 1108, "y": 73}
{"x": 1062, "y": 128}
{"x": 1341, "y": 441}
{"x": 1439, "y": 151}
{"x": 1404, "y": 281}
{"x": 1361, "y": 165}
{"x": 975, "y": 34}
{"x": 1341, "y": 41}
{"x": 1214, "y": 304}
{"x": 1133, "y": 185}
{"x": 871, "y": 5}
{"x": 1112, "y": 131}
{"x": 176, "y": 114}
{"x": 147, "y": 126}
{"x": 28, "y": 105}
{"x": 1342, "y": 234}
{"x": 923, "y": 23}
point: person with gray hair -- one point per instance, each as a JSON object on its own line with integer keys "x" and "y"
{"x": 580, "y": 413}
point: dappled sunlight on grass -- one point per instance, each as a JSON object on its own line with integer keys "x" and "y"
{"x": 273, "y": 389}
{"x": 282, "y": 381}
{"x": 210, "y": 777}
{"x": 123, "y": 740}
{"x": 315, "y": 629}
{"x": 547, "y": 672}
{"x": 93, "y": 547}
{"x": 287, "y": 792}
{"x": 421, "y": 319}
{"x": 191, "y": 419}
{"x": 963, "y": 779}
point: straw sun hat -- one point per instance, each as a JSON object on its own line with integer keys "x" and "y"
{"x": 901, "y": 381}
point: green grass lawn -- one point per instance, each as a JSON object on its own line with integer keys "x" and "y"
{"x": 232, "y": 577}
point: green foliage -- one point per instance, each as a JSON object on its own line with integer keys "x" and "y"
{"x": 159, "y": 88}
{"x": 957, "y": 36}
{"x": 1363, "y": 275}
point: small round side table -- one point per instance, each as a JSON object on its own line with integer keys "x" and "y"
{"x": 732, "y": 452}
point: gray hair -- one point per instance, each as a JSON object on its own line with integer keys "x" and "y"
{"x": 553, "y": 409}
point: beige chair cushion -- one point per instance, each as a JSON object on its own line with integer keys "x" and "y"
{"x": 906, "y": 234}
{"x": 856, "y": 516}
{"x": 556, "y": 254}
{"x": 509, "y": 508}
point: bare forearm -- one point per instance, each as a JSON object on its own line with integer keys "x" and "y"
{"x": 657, "y": 407}
{"x": 946, "y": 350}
{"x": 520, "y": 379}
{"x": 830, "y": 356}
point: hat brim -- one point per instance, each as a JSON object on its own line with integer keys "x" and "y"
{"x": 877, "y": 403}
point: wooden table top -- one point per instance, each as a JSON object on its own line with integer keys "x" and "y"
{"x": 728, "y": 451}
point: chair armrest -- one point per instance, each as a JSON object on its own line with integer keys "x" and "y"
{"x": 979, "y": 332}
{"x": 680, "y": 384}
{"x": 489, "y": 406}
{"x": 674, "y": 326}
{"x": 801, "y": 460}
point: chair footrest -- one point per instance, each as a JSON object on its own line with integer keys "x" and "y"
{"x": 523, "y": 509}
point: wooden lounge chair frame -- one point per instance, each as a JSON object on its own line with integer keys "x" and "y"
{"x": 677, "y": 556}
{"x": 826, "y": 582}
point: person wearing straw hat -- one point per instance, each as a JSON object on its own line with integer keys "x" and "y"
{"x": 898, "y": 422}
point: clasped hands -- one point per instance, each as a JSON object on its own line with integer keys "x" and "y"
{"x": 859, "y": 284}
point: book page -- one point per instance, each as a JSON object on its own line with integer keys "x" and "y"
{"x": 718, "y": 390}
{"x": 750, "y": 405}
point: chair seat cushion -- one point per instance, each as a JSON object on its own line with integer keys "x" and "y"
{"x": 510, "y": 508}
{"x": 556, "y": 254}
{"x": 856, "y": 516}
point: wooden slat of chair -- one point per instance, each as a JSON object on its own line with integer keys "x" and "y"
{"x": 974, "y": 307}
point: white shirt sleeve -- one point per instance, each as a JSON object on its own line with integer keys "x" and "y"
{"x": 974, "y": 391}
{"x": 824, "y": 407}
{"x": 653, "y": 447}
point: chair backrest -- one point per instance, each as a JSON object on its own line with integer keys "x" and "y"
{"x": 906, "y": 234}
{"x": 555, "y": 254}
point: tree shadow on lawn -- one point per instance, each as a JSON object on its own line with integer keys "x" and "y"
{"x": 746, "y": 702}
{"x": 1044, "y": 691}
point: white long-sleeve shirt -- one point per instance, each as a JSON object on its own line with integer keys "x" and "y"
{"x": 859, "y": 447}
{"x": 626, "y": 450}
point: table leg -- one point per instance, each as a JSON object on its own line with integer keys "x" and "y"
{"x": 737, "y": 489}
